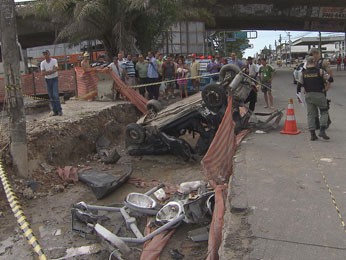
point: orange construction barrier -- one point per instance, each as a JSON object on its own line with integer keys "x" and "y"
{"x": 290, "y": 127}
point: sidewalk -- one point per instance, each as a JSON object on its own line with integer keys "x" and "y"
{"x": 287, "y": 196}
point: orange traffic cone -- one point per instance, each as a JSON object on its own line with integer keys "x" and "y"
{"x": 290, "y": 127}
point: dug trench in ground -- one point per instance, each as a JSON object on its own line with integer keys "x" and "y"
{"x": 46, "y": 199}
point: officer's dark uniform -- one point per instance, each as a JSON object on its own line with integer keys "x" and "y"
{"x": 313, "y": 83}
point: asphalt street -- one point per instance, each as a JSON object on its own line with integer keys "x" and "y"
{"x": 287, "y": 196}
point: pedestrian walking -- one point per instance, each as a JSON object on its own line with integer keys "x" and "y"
{"x": 313, "y": 80}
{"x": 49, "y": 68}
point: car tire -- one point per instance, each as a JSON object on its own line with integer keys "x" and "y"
{"x": 229, "y": 70}
{"x": 154, "y": 105}
{"x": 135, "y": 134}
{"x": 214, "y": 97}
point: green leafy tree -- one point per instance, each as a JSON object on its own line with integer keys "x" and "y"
{"x": 119, "y": 24}
{"x": 219, "y": 43}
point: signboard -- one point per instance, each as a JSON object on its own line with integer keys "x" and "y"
{"x": 240, "y": 35}
{"x": 245, "y": 35}
{"x": 333, "y": 12}
{"x": 327, "y": 26}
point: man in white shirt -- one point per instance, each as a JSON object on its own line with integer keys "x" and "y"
{"x": 49, "y": 69}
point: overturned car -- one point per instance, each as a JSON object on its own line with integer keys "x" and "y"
{"x": 161, "y": 131}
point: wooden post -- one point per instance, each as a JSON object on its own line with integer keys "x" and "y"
{"x": 14, "y": 98}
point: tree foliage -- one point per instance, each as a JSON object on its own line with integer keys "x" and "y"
{"x": 219, "y": 43}
{"x": 119, "y": 24}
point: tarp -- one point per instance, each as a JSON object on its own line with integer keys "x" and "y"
{"x": 130, "y": 93}
{"x": 217, "y": 165}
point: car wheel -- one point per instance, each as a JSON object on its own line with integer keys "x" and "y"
{"x": 135, "y": 134}
{"x": 214, "y": 97}
{"x": 229, "y": 70}
{"x": 154, "y": 105}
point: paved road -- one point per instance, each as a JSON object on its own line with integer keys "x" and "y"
{"x": 288, "y": 193}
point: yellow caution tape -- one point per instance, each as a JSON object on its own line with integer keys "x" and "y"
{"x": 329, "y": 189}
{"x": 174, "y": 80}
{"x": 19, "y": 215}
{"x": 35, "y": 98}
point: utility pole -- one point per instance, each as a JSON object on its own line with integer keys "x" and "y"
{"x": 320, "y": 43}
{"x": 14, "y": 98}
{"x": 280, "y": 46}
{"x": 290, "y": 49}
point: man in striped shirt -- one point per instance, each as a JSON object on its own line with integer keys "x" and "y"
{"x": 129, "y": 71}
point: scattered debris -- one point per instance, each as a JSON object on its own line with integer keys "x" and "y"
{"x": 68, "y": 174}
{"x": 175, "y": 254}
{"x": 109, "y": 156}
{"x": 80, "y": 251}
{"x": 47, "y": 168}
{"x": 28, "y": 193}
{"x": 260, "y": 132}
{"x": 104, "y": 183}
{"x": 57, "y": 232}
{"x": 59, "y": 188}
{"x": 33, "y": 185}
{"x": 187, "y": 187}
{"x": 199, "y": 234}
{"x": 160, "y": 195}
{"x": 193, "y": 207}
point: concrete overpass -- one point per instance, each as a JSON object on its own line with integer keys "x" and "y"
{"x": 296, "y": 15}
{"x": 292, "y": 15}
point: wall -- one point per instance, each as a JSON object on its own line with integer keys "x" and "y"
{"x": 34, "y": 83}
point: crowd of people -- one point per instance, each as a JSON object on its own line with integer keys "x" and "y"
{"x": 175, "y": 70}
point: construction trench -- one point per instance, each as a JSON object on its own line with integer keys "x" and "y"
{"x": 86, "y": 198}
{"x": 47, "y": 199}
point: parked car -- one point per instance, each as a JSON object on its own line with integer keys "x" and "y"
{"x": 297, "y": 71}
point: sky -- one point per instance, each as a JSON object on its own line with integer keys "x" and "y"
{"x": 266, "y": 38}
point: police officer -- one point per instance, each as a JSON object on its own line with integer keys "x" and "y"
{"x": 322, "y": 64}
{"x": 313, "y": 80}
